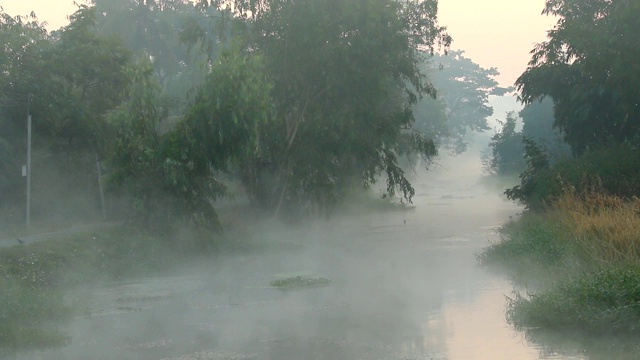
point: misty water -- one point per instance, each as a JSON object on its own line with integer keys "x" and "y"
{"x": 405, "y": 284}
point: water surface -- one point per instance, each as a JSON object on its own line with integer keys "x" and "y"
{"x": 404, "y": 285}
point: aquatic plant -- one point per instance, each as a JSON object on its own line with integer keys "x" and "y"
{"x": 299, "y": 282}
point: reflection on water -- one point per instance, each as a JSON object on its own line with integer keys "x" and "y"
{"x": 405, "y": 285}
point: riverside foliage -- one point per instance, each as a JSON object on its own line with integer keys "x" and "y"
{"x": 593, "y": 241}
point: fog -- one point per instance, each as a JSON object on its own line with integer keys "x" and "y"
{"x": 405, "y": 284}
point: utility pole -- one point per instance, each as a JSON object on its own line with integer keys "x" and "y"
{"x": 104, "y": 208}
{"x": 28, "y": 160}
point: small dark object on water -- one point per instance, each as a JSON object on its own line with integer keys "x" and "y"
{"x": 299, "y": 282}
{"x": 19, "y": 241}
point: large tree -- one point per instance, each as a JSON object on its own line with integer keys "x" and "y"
{"x": 171, "y": 176}
{"x": 22, "y": 40}
{"x": 345, "y": 75}
{"x": 589, "y": 67}
{"x": 538, "y": 125}
{"x": 462, "y": 105}
{"x": 68, "y": 81}
{"x": 177, "y": 36}
{"x": 507, "y": 149}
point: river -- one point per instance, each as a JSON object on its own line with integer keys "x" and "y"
{"x": 405, "y": 284}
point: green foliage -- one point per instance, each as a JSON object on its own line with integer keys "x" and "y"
{"x": 586, "y": 244}
{"x": 506, "y": 149}
{"x": 603, "y": 302}
{"x": 90, "y": 77}
{"x": 532, "y": 241}
{"x": 223, "y": 124}
{"x": 9, "y": 167}
{"x": 589, "y": 67}
{"x": 613, "y": 170}
{"x": 33, "y": 278}
{"x": 163, "y": 31}
{"x": 21, "y": 38}
{"x": 345, "y": 76}
{"x": 153, "y": 168}
{"x": 538, "y": 125}
{"x": 67, "y": 81}
{"x": 536, "y": 185}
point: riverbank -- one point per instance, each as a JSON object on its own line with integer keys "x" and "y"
{"x": 581, "y": 259}
{"x": 36, "y": 273}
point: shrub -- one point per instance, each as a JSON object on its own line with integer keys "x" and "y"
{"x": 613, "y": 170}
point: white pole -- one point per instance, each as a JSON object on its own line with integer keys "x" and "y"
{"x": 28, "y": 169}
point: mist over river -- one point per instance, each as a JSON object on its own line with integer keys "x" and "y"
{"x": 405, "y": 284}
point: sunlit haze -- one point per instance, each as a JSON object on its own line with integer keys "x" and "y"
{"x": 494, "y": 33}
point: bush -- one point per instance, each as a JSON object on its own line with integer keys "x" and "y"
{"x": 613, "y": 171}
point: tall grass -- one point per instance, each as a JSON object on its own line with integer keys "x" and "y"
{"x": 590, "y": 243}
{"x": 606, "y": 228}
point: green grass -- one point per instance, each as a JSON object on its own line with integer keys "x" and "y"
{"x": 588, "y": 245}
{"x": 34, "y": 277}
{"x": 533, "y": 243}
{"x": 606, "y": 301}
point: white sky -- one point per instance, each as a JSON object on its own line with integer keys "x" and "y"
{"x": 494, "y": 33}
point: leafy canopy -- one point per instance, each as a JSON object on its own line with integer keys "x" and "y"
{"x": 462, "y": 105}
{"x": 345, "y": 75}
{"x": 589, "y": 66}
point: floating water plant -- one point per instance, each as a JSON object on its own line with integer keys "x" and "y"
{"x": 299, "y": 282}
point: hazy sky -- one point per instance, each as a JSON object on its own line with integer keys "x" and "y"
{"x": 494, "y": 33}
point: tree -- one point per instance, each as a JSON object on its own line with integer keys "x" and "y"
{"x": 23, "y": 40}
{"x": 463, "y": 88}
{"x": 538, "y": 125}
{"x": 172, "y": 176}
{"x": 507, "y": 148}
{"x": 226, "y": 126}
{"x": 170, "y": 33}
{"x": 89, "y": 74}
{"x": 589, "y": 67}
{"x": 345, "y": 75}
{"x": 72, "y": 78}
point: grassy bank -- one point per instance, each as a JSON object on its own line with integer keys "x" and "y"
{"x": 587, "y": 246}
{"x": 34, "y": 277}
